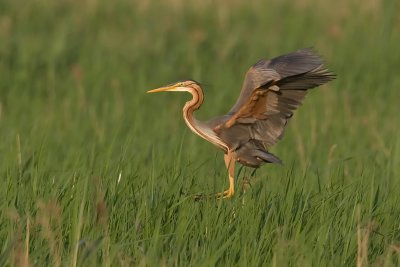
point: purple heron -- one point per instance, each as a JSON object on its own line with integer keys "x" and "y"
{"x": 271, "y": 91}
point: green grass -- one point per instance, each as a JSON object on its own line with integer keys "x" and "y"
{"x": 94, "y": 172}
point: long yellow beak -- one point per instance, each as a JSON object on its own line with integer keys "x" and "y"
{"x": 162, "y": 89}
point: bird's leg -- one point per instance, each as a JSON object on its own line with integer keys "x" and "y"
{"x": 246, "y": 184}
{"x": 230, "y": 165}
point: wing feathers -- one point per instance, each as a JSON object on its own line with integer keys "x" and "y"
{"x": 300, "y": 61}
{"x": 307, "y": 80}
{"x": 271, "y": 92}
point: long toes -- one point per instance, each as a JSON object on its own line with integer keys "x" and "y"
{"x": 226, "y": 194}
{"x": 222, "y": 194}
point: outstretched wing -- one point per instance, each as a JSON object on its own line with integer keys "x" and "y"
{"x": 271, "y": 92}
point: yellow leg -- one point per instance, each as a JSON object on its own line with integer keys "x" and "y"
{"x": 230, "y": 165}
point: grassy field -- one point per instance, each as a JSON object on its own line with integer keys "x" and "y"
{"x": 95, "y": 172}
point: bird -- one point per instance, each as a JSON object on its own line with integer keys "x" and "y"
{"x": 272, "y": 90}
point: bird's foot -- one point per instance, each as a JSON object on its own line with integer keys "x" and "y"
{"x": 222, "y": 195}
{"x": 226, "y": 194}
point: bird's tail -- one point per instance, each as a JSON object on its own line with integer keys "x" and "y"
{"x": 266, "y": 156}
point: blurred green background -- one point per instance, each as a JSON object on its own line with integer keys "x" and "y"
{"x": 94, "y": 171}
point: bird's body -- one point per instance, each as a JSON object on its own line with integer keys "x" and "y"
{"x": 271, "y": 91}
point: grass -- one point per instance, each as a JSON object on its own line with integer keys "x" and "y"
{"x": 94, "y": 172}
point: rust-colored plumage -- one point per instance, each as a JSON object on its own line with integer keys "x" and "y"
{"x": 271, "y": 91}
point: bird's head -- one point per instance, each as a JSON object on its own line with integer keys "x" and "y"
{"x": 182, "y": 86}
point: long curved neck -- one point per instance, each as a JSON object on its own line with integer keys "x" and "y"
{"x": 191, "y": 106}
{"x": 198, "y": 127}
